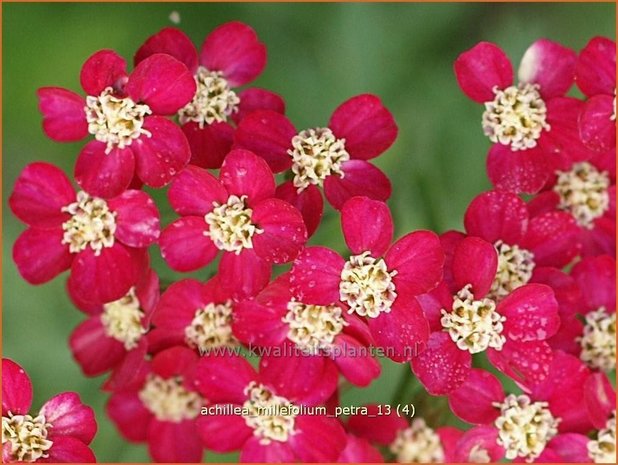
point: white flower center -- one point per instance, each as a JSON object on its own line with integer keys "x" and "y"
{"x": 474, "y": 325}
{"x": 515, "y": 266}
{"x": 169, "y": 400}
{"x": 516, "y": 116}
{"x": 583, "y": 192}
{"x": 230, "y": 224}
{"x": 122, "y": 320}
{"x": 367, "y": 286}
{"x": 479, "y": 455}
{"x": 270, "y": 416}
{"x": 599, "y": 340}
{"x": 92, "y": 224}
{"x": 211, "y": 327}
{"x": 313, "y": 327}
{"x": 603, "y": 448}
{"x": 417, "y": 444}
{"x": 115, "y": 121}
{"x": 213, "y": 102}
{"x": 316, "y": 154}
{"x": 524, "y": 427}
{"x": 27, "y": 437}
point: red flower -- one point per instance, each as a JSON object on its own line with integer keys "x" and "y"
{"x": 467, "y": 320}
{"x": 532, "y": 124}
{"x": 231, "y": 56}
{"x": 103, "y": 242}
{"x": 268, "y": 416}
{"x": 600, "y": 397}
{"x": 335, "y": 156}
{"x": 236, "y": 214}
{"x": 274, "y": 318}
{"x": 125, "y": 115}
{"x": 60, "y": 432}
{"x": 161, "y": 407}
{"x": 101, "y": 342}
{"x": 595, "y": 76}
{"x": 359, "y": 450}
{"x": 379, "y": 281}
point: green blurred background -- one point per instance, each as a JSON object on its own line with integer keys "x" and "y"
{"x": 318, "y": 56}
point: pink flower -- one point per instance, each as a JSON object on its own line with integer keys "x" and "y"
{"x": 532, "y": 124}
{"x": 600, "y": 399}
{"x": 236, "y": 214}
{"x": 359, "y": 450}
{"x": 467, "y": 320}
{"x": 379, "y": 281}
{"x": 231, "y": 56}
{"x": 271, "y": 416}
{"x": 61, "y": 432}
{"x": 274, "y": 319}
{"x": 101, "y": 342}
{"x": 103, "y": 242}
{"x": 335, "y": 156}
{"x": 595, "y": 76}
{"x": 161, "y": 407}
{"x": 125, "y": 114}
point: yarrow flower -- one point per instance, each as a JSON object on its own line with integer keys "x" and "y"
{"x": 60, "y": 432}
{"x": 103, "y": 242}
{"x": 125, "y": 114}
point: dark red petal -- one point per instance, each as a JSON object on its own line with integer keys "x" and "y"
{"x": 163, "y": 155}
{"x": 40, "y": 192}
{"x": 571, "y": 447}
{"x": 600, "y": 399}
{"x": 477, "y": 439}
{"x": 442, "y": 367}
{"x": 223, "y": 433}
{"x": 521, "y": 171}
{"x": 267, "y": 134}
{"x": 137, "y": 218}
{"x": 64, "y": 117}
{"x": 129, "y": 415}
{"x": 355, "y": 362}
{"x": 185, "y": 247}
{"x": 553, "y": 238}
{"x": 40, "y": 254}
{"x": 106, "y": 277}
{"x": 550, "y": 65}
{"x": 131, "y": 373}
{"x": 596, "y": 128}
{"x": 93, "y": 349}
{"x": 367, "y": 226}
{"x": 16, "y": 389}
{"x": 418, "y": 259}
{"x": 316, "y": 275}
{"x": 194, "y": 191}
{"x": 366, "y": 125}
{"x": 174, "y": 442}
{"x": 254, "y": 99}
{"x": 526, "y": 362}
{"x": 275, "y": 452}
{"x": 318, "y": 439}
{"x": 497, "y": 216}
{"x": 596, "y": 67}
{"x": 482, "y": 68}
{"x": 67, "y": 449}
{"x": 449, "y": 435}
{"x": 475, "y": 262}
{"x": 485, "y": 389}
{"x": 244, "y": 173}
{"x": 403, "y": 332}
{"x": 175, "y": 362}
{"x": 359, "y": 178}
{"x": 210, "y": 144}
{"x": 359, "y": 450}
{"x": 173, "y": 42}
{"x": 596, "y": 277}
{"x": 104, "y": 174}
{"x": 379, "y": 425}
{"x": 103, "y": 69}
{"x": 309, "y": 202}
{"x": 179, "y": 303}
{"x": 259, "y": 325}
{"x": 234, "y": 49}
{"x": 223, "y": 378}
{"x": 245, "y": 274}
{"x": 564, "y": 286}
{"x": 163, "y": 83}
{"x": 70, "y": 417}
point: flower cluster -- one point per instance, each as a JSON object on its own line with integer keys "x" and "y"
{"x": 254, "y": 358}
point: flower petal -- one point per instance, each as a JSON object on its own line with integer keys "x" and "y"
{"x": 67, "y": 449}
{"x": 521, "y": 171}
{"x": 40, "y": 254}
{"x": 359, "y": 178}
{"x": 553, "y": 238}
{"x": 379, "y": 425}
{"x": 476, "y": 440}
{"x": 526, "y": 362}
{"x": 359, "y": 450}
{"x": 137, "y": 218}
{"x": 485, "y": 389}
{"x": 367, "y": 126}
{"x": 484, "y": 260}
{"x": 259, "y": 325}
{"x": 194, "y": 191}
{"x": 596, "y": 67}
{"x": 16, "y": 389}
{"x": 234, "y": 49}
{"x": 600, "y": 399}
{"x": 245, "y": 274}
{"x": 129, "y": 415}
{"x": 596, "y": 128}
{"x": 596, "y": 277}
{"x": 318, "y": 439}
{"x": 185, "y": 246}
{"x": 223, "y": 433}
{"x": 275, "y": 452}
{"x": 70, "y": 417}
{"x": 367, "y": 226}
{"x": 223, "y": 378}
{"x": 103, "y": 69}
{"x": 354, "y": 361}
{"x": 174, "y": 442}
{"x": 244, "y": 173}
{"x": 497, "y": 216}
{"x": 171, "y": 41}
{"x": 308, "y": 202}
{"x": 254, "y": 99}
{"x": 482, "y": 68}
{"x": 316, "y": 275}
{"x": 64, "y": 117}
{"x": 210, "y": 144}
{"x": 93, "y": 349}
{"x": 571, "y": 447}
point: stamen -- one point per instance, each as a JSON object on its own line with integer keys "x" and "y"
{"x": 313, "y": 327}
{"x": 122, "y": 320}
{"x": 515, "y": 266}
{"x": 26, "y": 436}
{"x": 603, "y": 448}
{"x": 169, "y": 400}
{"x": 599, "y": 340}
{"x": 230, "y": 224}
{"x": 270, "y": 416}
{"x": 211, "y": 327}
{"x": 417, "y": 444}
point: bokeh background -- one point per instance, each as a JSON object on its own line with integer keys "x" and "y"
{"x": 318, "y": 56}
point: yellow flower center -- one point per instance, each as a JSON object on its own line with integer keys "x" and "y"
{"x": 122, "y": 320}
{"x": 211, "y": 327}
{"x": 603, "y": 448}
{"x": 169, "y": 400}
{"x": 26, "y": 436}
{"x": 313, "y": 327}
{"x": 417, "y": 444}
{"x": 270, "y": 416}
{"x": 599, "y": 340}
{"x": 230, "y": 224}
{"x": 515, "y": 266}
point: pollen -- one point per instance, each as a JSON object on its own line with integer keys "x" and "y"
{"x": 270, "y": 416}
{"x": 599, "y": 340}
{"x": 474, "y": 325}
{"x": 583, "y": 193}
{"x": 417, "y": 444}
{"x": 316, "y": 154}
{"x": 516, "y": 117}
{"x": 115, "y": 121}
{"x": 92, "y": 224}
{"x": 25, "y": 437}
{"x": 515, "y": 266}
{"x": 313, "y": 327}
{"x": 230, "y": 226}
{"x": 211, "y": 327}
{"x": 169, "y": 400}
{"x": 213, "y": 102}
{"x": 367, "y": 286}
{"x": 122, "y": 320}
